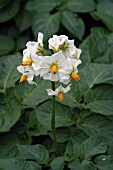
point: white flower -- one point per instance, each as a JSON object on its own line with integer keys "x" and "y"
{"x": 27, "y": 74}
{"x": 73, "y": 63}
{"x": 61, "y": 42}
{"x": 76, "y": 54}
{"x": 54, "y": 43}
{"x": 51, "y": 66}
{"x": 69, "y": 72}
{"x": 36, "y": 47}
{"x": 31, "y": 59}
{"x": 59, "y": 91}
{"x": 39, "y": 41}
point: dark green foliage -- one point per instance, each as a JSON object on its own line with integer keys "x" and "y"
{"x": 84, "y": 120}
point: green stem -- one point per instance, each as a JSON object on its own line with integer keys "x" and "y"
{"x": 53, "y": 121}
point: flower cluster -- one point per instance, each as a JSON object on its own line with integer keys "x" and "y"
{"x": 59, "y": 67}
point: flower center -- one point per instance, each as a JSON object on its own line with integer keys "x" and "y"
{"x": 75, "y": 76}
{"x": 23, "y": 78}
{"x": 27, "y": 62}
{"x": 54, "y": 68}
{"x": 60, "y": 96}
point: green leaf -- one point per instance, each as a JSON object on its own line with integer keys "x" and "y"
{"x": 74, "y": 165}
{"x": 73, "y": 23}
{"x": 102, "y": 107}
{"x": 34, "y": 152}
{"x": 6, "y": 44}
{"x": 41, "y": 6}
{"x": 13, "y": 32}
{"x": 96, "y": 124}
{"x": 105, "y": 14}
{"x": 34, "y": 126}
{"x": 46, "y": 23}
{"x": 85, "y": 165}
{"x": 58, "y": 163}
{"x": 77, "y": 137}
{"x": 62, "y": 135}
{"x": 92, "y": 146}
{"x": 9, "y": 112}
{"x": 94, "y": 74}
{"x": 88, "y": 165}
{"x": 21, "y": 42}
{"x": 32, "y": 95}
{"x": 97, "y": 47}
{"x": 8, "y": 148}
{"x": 18, "y": 164}
{"x": 79, "y": 6}
{"x": 100, "y": 99}
{"x": 3, "y": 3}
{"x": 104, "y": 1}
{"x": 63, "y": 115}
{"x": 9, "y": 11}
{"x": 104, "y": 162}
{"x": 8, "y": 71}
{"x": 100, "y": 92}
{"x": 73, "y": 97}
{"x": 23, "y": 20}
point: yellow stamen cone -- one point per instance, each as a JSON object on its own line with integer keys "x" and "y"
{"x": 75, "y": 76}
{"x": 27, "y": 62}
{"x": 23, "y": 78}
{"x": 60, "y": 96}
{"x": 54, "y": 69}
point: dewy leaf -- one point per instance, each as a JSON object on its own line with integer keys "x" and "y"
{"x": 41, "y": 6}
{"x": 100, "y": 99}
{"x": 92, "y": 146}
{"x": 32, "y": 95}
{"x": 63, "y": 115}
{"x": 8, "y": 71}
{"x": 18, "y": 164}
{"x": 79, "y": 6}
{"x": 34, "y": 152}
{"x": 9, "y": 11}
{"x": 46, "y": 23}
{"x": 73, "y": 23}
{"x": 6, "y": 45}
{"x": 104, "y": 162}
{"x": 105, "y": 14}
{"x": 95, "y": 74}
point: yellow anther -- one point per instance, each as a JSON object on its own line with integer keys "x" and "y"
{"x": 60, "y": 96}
{"x": 54, "y": 68}
{"x": 23, "y": 78}
{"x": 75, "y": 76}
{"x": 27, "y": 62}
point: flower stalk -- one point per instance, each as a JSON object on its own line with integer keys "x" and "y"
{"x": 53, "y": 129}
